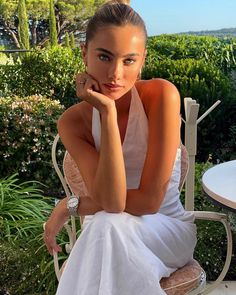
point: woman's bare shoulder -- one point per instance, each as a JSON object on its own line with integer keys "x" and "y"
{"x": 157, "y": 92}
{"x": 79, "y": 109}
{"x": 78, "y": 119}
{"x": 155, "y": 89}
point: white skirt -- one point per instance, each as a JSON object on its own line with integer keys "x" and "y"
{"x": 122, "y": 254}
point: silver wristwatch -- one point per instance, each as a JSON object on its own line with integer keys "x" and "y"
{"x": 72, "y": 205}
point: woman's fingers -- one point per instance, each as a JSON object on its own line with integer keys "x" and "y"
{"x": 92, "y": 85}
{"x": 50, "y": 242}
{"x": 54, "y": 225}
{"x": 88, "y": 89}
{"x": 85, "y": 82}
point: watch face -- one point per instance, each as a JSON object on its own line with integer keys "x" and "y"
{"x": 73, "y": 202}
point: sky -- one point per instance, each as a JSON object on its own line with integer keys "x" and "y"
{"x": 175, "y": 16}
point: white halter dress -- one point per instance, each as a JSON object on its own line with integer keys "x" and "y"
{"x": 122, "y": 254}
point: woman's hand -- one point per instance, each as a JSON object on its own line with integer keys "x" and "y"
{"x": 88, "y": 89}
{"x": 54, "y": 225}
{"x": 60, "y": 215}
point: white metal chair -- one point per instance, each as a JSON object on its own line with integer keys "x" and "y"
{"x": 191, "y": 278}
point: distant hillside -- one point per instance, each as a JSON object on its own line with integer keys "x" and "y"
{"x": 231, "y": 32}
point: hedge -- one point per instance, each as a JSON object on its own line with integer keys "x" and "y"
{"x": 48, "y": 72}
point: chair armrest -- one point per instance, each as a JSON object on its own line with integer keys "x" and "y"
{"x": 221, "y": 217}
{"x": 209, "y": 215}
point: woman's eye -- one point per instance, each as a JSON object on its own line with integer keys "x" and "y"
{"x": 104, "y": 57}
{"x": 129, "y": 61}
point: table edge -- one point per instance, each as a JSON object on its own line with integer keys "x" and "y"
{"x": 220, "y": 199}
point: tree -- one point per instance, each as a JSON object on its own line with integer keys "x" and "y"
{"x": 71, "y": 16}
{"x": 38, "y": 11}
{"x": 67, "y": 40}
{"x": 72, "y": 40}
{"x": 23, "y": 25}
{"x": 9, "y": 21}
{"x": 52, "y": 25}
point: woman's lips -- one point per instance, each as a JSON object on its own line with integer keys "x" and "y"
{"x": 113, "y": 87}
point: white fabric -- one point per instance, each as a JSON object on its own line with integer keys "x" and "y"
{"x": 122, "y": 254}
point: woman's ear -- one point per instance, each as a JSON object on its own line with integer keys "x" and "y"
{"x": 144, "y": 57}
{"x": 83, "y": 48}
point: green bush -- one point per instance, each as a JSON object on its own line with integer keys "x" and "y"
{"x": 217, "y": 51}
{"x": 228, "y": 150}
{"x": 27, "y": 130}
{"x": 22, "y": 209}
{"x": 25, "y": 264}
{"x": 4, "y": 59}
{"x": 206, "y": 84}
{"x": 20, "y": 269}
{"x": 48, "y": 72}
{"x": 27, "y": 268}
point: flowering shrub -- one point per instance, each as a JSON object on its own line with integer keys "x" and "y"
{"x": 27, "y": 130}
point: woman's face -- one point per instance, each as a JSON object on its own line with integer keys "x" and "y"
{"x": 114, "y": 57}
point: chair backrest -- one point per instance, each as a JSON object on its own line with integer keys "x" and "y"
{"x": 184, "y": 166}
{"x": 73, "y": 176}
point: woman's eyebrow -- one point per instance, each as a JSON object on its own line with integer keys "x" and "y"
{"x": 110, "y": 53}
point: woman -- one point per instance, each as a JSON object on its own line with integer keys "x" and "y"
{"x": 124, "y": 137}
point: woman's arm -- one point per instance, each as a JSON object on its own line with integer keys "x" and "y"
{"x": 109, "y": 185}
{"x": 162, "y": 104}
{"x": 103, "y": 173}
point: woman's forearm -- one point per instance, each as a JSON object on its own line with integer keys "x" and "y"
{"x": 110, "y": 180}
{"x": 60, "y": 213}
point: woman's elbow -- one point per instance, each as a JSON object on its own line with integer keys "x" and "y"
{"x": 153, "y": 206}
{"x": 111, "y": 202}
{"x": 114, "y": 208}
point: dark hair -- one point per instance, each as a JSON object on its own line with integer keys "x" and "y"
{"x": 114, "y": 13}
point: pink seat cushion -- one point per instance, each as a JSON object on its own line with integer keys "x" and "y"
{"x": 183, "y": 280}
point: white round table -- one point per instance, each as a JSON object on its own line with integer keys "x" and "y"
{"x": 219, "y": 182}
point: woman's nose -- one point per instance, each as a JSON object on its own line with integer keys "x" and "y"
{"x": 115, "y": 71}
